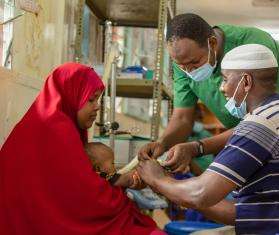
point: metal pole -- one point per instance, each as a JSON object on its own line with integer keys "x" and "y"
{"x": 112, "y": 102}
{"x": 172, "y": 10}
{"x": 157, "y": 89}
{"x": 108, "y": 47}
{"x": 108, "y": 38}
{"x": 79, "y": 33}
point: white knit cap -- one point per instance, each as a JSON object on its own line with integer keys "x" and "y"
{"x": 249, "y": 56}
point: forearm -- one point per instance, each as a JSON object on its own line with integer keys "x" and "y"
{"x": 224, "y": 212}
{"x": 197, "y": 192}
{"x": 123, "y": 180}
{"x": 214, "y": 144}
{"x": 186, "y": 193}
{"x": 176, "y": 132}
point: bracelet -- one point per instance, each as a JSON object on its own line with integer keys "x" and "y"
{"x": 103, "y": 174}
{"x": 200, "y": 148}
{"x": 113, "y": 178}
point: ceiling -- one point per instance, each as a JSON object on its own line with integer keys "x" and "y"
{"x": 260, "y": 13}
{"x": 126, "y": 12}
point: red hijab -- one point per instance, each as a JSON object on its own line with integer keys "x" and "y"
{"x": 47, "y": 186}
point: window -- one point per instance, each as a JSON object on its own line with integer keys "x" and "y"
{"x": 8, "y": 12}
{"x": 92, "y": 38}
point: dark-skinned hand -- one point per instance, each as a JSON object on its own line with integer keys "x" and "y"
{"x": 151, "y": 150}
{"x": 180, "y": 156}
{"x": 149, "y": 170}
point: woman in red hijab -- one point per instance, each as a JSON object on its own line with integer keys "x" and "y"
{"x": 47, "y": 186}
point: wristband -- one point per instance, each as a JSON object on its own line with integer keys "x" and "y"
{"x": 200, "y": 148}
{"x": 113, "y": 178}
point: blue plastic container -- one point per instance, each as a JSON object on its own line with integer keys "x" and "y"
{"x": 187, "y": 227}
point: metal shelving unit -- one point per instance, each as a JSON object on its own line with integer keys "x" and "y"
{"x": 138, "y": 13}
{"x": 79, "y": 33}
{"x": 158, "y": 78}
{"x": 139, "y": 88}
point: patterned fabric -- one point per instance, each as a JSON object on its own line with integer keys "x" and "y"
{"x": 251, "y": 160}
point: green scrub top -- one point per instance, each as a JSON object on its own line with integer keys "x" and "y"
{"x": 187, "y": 92}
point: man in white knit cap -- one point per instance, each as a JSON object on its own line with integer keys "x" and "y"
{"x": 249, "y": 164}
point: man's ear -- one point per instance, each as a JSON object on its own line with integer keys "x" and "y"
{"x": 248, "y": 82}
{"x": 213, "y": 42}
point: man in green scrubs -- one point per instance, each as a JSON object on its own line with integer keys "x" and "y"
{"x": 197, "y": 50}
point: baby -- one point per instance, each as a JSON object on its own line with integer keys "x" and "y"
{"x": 102, "y": 159}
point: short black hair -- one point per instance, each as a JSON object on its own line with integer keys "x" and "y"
{"x": 266, "y": 78}
{"x": 189, "y": 26}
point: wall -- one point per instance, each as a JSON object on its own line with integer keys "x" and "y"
{"x": 17, "y": 93}
{"x": 241, "y": 12}
{"x": 42, "y": 42}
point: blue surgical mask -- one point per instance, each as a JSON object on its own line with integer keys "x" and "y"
{"x": 240, "y": 111}
{"x": 204, "y": 72}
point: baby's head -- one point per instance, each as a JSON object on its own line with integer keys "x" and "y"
{"x": 101, "y": 157}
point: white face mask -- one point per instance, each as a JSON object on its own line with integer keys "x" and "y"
{"x": 203, "y": 72}
{"x": 240, "y": 111}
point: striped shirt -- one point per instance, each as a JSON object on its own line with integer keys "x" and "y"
{"x": 251, "y": 160}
